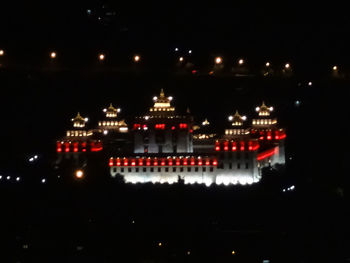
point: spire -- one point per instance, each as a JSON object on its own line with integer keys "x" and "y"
{"x": 162, "y": 93}
{"x": 263, "y": 110}
{"x": 188, "y": 110}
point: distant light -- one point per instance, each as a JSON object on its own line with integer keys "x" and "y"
{"x": 181, "y": 59}
{"x": 194, "y": 71}
{"x": 241, "y": 61}
{"x": 190, "y": 51}
{"x": 101, "y": 57}
{"x": 35, "y": 156}
{"x": 233, "y": 252}
{"x": 105, "y": 132}
{"x": 271, "y": 108}
{"x": 18, "y": 178}
{"x": 86, "y": 119}
{"x": 79, "y": 174}
{"x": 137, "y": 58}
{"x": 335, "y": 68}
{"x": 43, "y": 180}
{"x": 287, "y": 65}
{"x": 257, "y": 108}
{"x": 188, "y": 252}
{"x": 297, "y": 102}
{"x": 104, "y": 110}
{"x": 170, "y": 98}
{"x": 88, "y": 11}
{"x": 146, "y": 117}
{"x": 310, "y": 83}
{"x": 230, "y": 118}
{"x": 267, "y": 64}
{"x": 119, "y": 110}
{"x": 176, "y": 49}
{"x": 8, "y": 177}
{"x": 160, "y": 244}
{"x": 155, "y": 98}
{"x": 53, "y": 54}
{"x": 2, "y": 52}
{"x": 0, "y": 177}
{"x": 218, "y": 60}
{"x": 244, "y": 118}
{"x": 31, "y": 159}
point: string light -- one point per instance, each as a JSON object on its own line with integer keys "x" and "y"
{"x": 53, "y": 54}
{"x": 137, "y": 58}
{"x": 218, "y": 60}
{"x": 101, "y": 57}
{"x": 267, "y": 64}
{"x": 287, "y": 65}
{"x": 79, "y": 174}
{"x": 335, "y": 68}
{"x": 2, "y": 52}
{"x": 181, "y": 59}
{"x": 240, "y": 62}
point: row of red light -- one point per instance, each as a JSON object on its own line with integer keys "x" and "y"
{"x": 278, "y": 135}
{"x": 234, "y": 146}
{"x": 160, "y": 126}
{"x": 161, "y": 162}
{"x": 94, "y": 146}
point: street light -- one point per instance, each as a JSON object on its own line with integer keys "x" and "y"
{"x": 2, "y": 52}
{"x": 218, "y": 60}
{"x": 53, "y": 54}
{"x": 101, "y": 57}
{"x": 79, "y": 174}
{"x": 240, "y": 62}
{"x": 137, "y": 58}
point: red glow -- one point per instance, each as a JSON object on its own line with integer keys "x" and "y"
{"x": 110, "y": 162}
{"x": 155, "y": 163}
{"x": 75, "y": 145}
{"x": 84, "y": 150}
{"x": 185, "y": 162}
{"x": 242, "y": 146}
{"x": 160, "y": 126}
{"x": 133, "y": 163}
{"x": 137, "y": 126}
{"x": 177, "y": 162}
{"x": 215, "y": 163}
{"x": 126, "y": 163}
{"x": 148, "y": 162}
{"x": 193, "y": 162}
{"x": 140, "y": 162}
{"x": 173, "y": 128}
{"x": 226, "y": 146}
{"x": 261, "y": 138}
{"x": 118, "y": 162}
{"x": 96, "y": 147}
{"x": 200, "y": 162}
{"x": 207, "y": 162}
{"x": 170, "y": 163}
{"x": 283, "y": 136}
{"x": 59, "y": 147}
{"x": 267, "y": 154}
{"x": 191, "y": 130}
{"x": 194, "y": 71}
{"x": 59, "y": 150}
{"x": 183, "y": 125}
{"x": 217, "y": 148}
{"x": 162, "y": 163}
{"x": 144, "y": 126}
{"x": 234, "y": 146}
{"x": 269, "y": 137}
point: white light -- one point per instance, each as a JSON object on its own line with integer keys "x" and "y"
{"x": 335, "y": 67}
{"x": 31, "y": 159}
{"x": 101, "y": 57}
{"x": 190, "y": 51}
{"x": 146, "y": 118}
{"x": 284, "y": 190}
{"x": 181, "y": 59}
{"x": 0, "y": 177}
{"x": 230, "y": 118}
{"x": 292, "y": 187}
{"x": 79, "y": 174}
{"x": 18, "y": 178}
{"x": 257, "y": 108}
{"x": 105, "y": 132}
{"x": 155, "y": 98}
{"x": 244, "y": 118}
{"x": 310, "y": 83}
{"x": 86, "y": 119}
{"x": 241, "y": 61}
{"x": 53, "y": 54}
{"x": 176, "y": 49}
{"x": 267, "y": 64}
{"x": 137, "y": 58}
{"x": 170, "y": 98}
{"x": 104, "y": 110}
{"x": 271, "y": 108}
{"x": 2, "y": 52}
{"x": 287, "y": 65}
{"x": 297, "y": 103}
{"x": 35, "y": 156}
{"x": 218, "y": 60}
{"x": 43, "y": 180}
{"x": 8, "y": 177}
{"x": 119, "y": 110}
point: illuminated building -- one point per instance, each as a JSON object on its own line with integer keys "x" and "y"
{"x": 164, "y": 146}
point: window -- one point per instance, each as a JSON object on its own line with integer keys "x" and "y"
{"x": 114, "y": 169}
{"x": 211, "y": 169}
{"x": 144, "y": 169}
{"x": 159, "y": 169}
{"x": 129, "y": 170}
{"x": 196, "y": 169}
{"x": 238, "y": 155}
{"x": 181, "y": 169}
{"x": 238, "y": 166}
{"x": 166, "y": 169}
{"x": 188, "y": 169}
{"x": 230, "y": 166}
{"x": 145, "y": 149}
{"x": 122, "y": 170}
{"x": 174, "y": 169}
{"x": 246, "y": 165}
{"x": 136, "y": 169}
{"x": 204, "y": 169}
{"x": 152, "y": 169}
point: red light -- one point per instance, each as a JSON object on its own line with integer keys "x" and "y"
{"x": 118, "y": 162}
{"x": 140, "y": 162}
{"x": 160, "y": 126}
{"x": 173, "y": 128}
{"x": 194, "y": 71}
{"x": 59, "y": 150}
{"x": 148, "y": 162}
{"x": 84, "y": 150}
{"x": 269, "y": 137}
{"x": 170, "y": 163}
{"x": 226, "y": 148}
{"x": 133, "y": 163}
{"x": 267, "y": 154}
{"x": 66, "y": 150}
{"x": 185, "y": 162}
{"x": 66, "y": 147}
{"x": 110, "y": 162}
{"x": 183, "y": 125}
{"x": 126, "y": 163}
{"x": 144, "y": 126}
{"x": 234, "y": 148}
{"x": 217, "y": 148}
{"x": 193, "y": 162}
{"x": 207, "y": 162}
{"x": 283, "y": 136}
{"x": 215, "y": 163}
{"x": 75, "y": 145}
{"x": 200, "y": 162}
{"x": 261, "y": 138}
{"x": 137, "y": 126}
{"x": 277, "y": 137}
{"x": 242, "y": 146}
{"x": 162, "y": 163}
{"x": 155, "y": 163}
{"x": 177, "y": 162}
